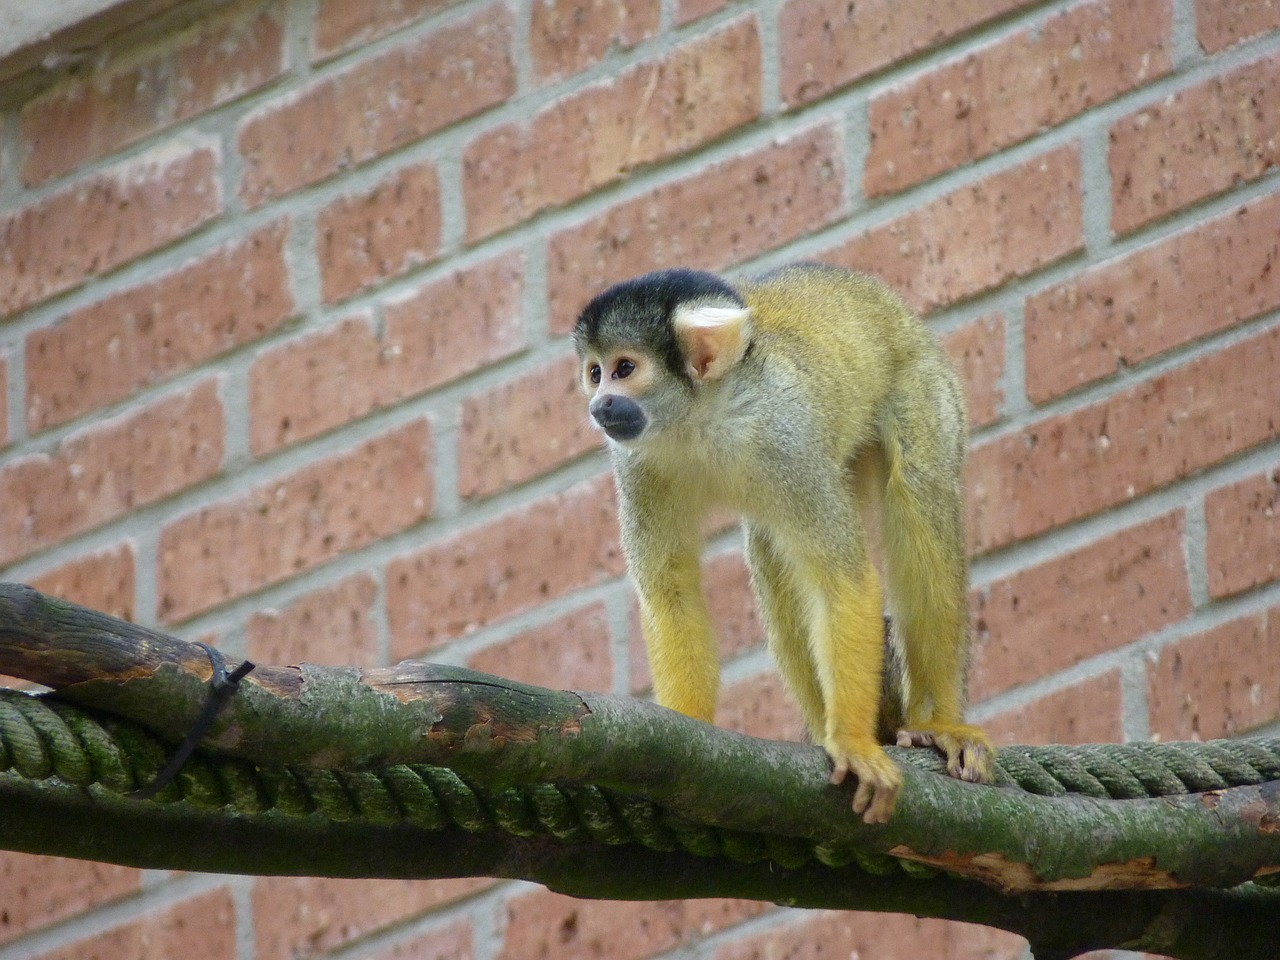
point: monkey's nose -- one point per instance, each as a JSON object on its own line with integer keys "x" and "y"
{"x": 621, "y": 418}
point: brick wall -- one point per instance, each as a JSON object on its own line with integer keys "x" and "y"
{"x": 284, "y": 294}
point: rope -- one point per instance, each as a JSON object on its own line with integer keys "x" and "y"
{"x": 45, "y": 739}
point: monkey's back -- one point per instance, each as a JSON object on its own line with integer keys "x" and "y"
{"x": 848, "y": 336}
{"x": 824, "y": 310}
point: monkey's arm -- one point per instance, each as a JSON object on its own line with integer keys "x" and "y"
{"x": 663, "y": 543}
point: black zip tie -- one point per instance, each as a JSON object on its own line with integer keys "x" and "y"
{"x": 222, "y": 686}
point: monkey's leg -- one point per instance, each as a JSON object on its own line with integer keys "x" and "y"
{"x": 927, "y": 569}
{"x": 846, "y": 637}
{"x": 787, "y": 627}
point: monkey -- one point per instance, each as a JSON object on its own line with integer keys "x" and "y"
{"x": 811, "y": 402}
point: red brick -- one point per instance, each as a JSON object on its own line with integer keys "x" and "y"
{"x": 315, "y": 382}
{"x": 455, "y": 325}
{"x": 379, "y": 104}
{"x": 110, "y": 350}
{"x": 1091, "y": 711}
{"x": 4, "y": 400}
{"x": 95, "y": 115}
{"x": 977, "y": 237}
{"x": 366, "y": 239}
{"x": 432, "y": 335}
{"x": 723, "y": 214}
{"x": 566, "y": 36}
{"x": 1194, "y": 144}
{"x": 109, "y": 469}
{"x": 453, "y": 942}
{"x": 105, "y": 581}
{"x": 105, "y": 220}
{"x": 977, "y": 350}
{"x": 298, "y": 918}
{"x": 299, "y": 521}
{"x": 640, "y": 677}
{"x": 574, "y": 652}
{"x": 513, "y": 563}
{"x": 732, "y": 603}
{"x": 341, "y": 25}
{"x": 1075, "y": 464}
{"x": 596, "y": 136}
{"x": 1219, "y": 683}
{"x": 39, "y": 891}
{"x": 1242, "y": 546}
{"x": 523, "y": 428}
{"x": 820, "y": 935}
{"x": 1097, "y": 598}
{"x": 1222, "y": 23}
{"x": 17, "y": 683}
{"x": 1011, "y": 90}
{"x": 207, "y": 920}
{"x": 1219, "y": 273}
{"x": 147, "y": 90}
{"x": 828, "y": 44}
{"x": 761, "y": 706}
{"x": 335, "y": 624}
{"x": 548, "y": 926}
{"x": 688, "y": 11}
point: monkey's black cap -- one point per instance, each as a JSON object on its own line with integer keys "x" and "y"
{"x": 638, "y": 313}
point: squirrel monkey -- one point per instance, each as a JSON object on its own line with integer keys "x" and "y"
{"x": 814, "y": 404}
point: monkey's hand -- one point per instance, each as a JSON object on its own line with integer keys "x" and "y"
{"x": 970, "y": 755}
{"x": 879, "y": 778}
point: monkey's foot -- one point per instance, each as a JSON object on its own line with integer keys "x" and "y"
{"x": 879, "y": 779}
{"x": 970, "y": 755}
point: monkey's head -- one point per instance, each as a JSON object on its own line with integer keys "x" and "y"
{"x": 650, "y": 344}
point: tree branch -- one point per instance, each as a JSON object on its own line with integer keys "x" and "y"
{"x": 590, "y": 794}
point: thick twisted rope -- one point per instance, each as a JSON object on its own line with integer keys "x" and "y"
{"x": 43, "y": 738}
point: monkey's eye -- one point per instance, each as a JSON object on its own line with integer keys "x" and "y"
{"x": 624, "y": 369}
{"x": 593, "y": 373}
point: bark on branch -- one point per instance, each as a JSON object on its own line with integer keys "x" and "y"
{"x": 304, "y": 772}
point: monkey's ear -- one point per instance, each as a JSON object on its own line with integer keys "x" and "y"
{"x": 713, "y": 339}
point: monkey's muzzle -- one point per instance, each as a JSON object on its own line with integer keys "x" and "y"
{"x": 621, "y": 418}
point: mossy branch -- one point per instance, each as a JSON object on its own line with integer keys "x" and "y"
{"x": 424, "y": 770}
